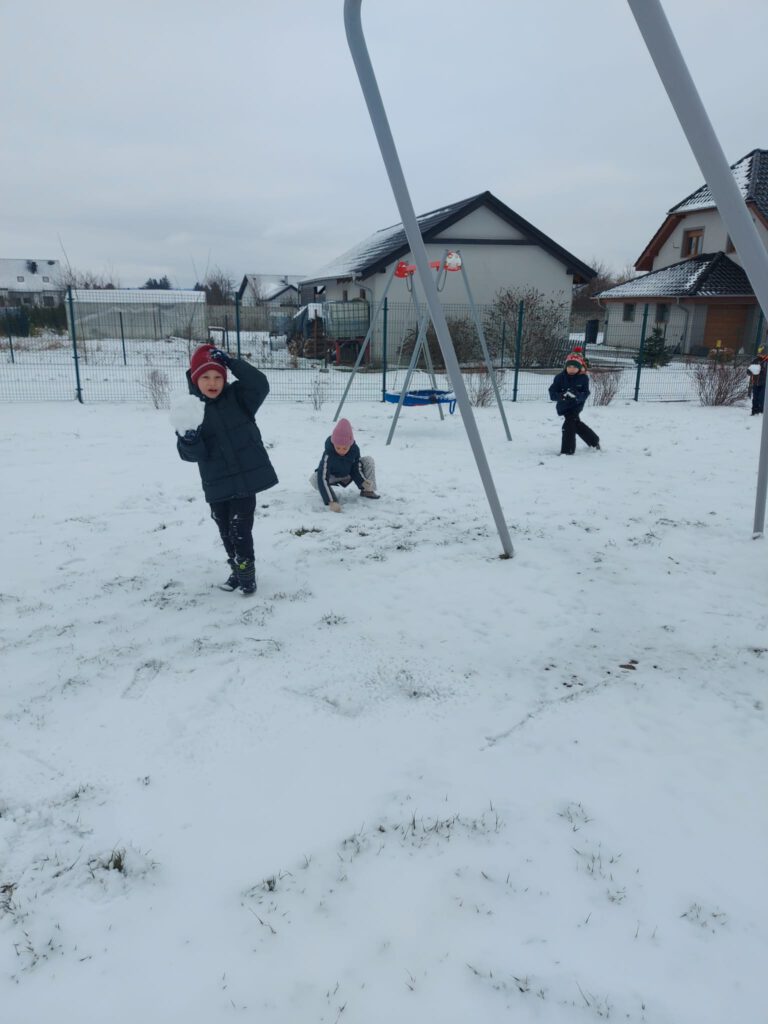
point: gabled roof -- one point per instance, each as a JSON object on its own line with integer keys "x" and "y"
{"x": 711, "y": 275}
{"x": 270, "y": 285}
{"x": 751, "y": 176}
{"x": 384, "y": 247}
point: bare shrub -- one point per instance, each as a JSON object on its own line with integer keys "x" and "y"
{"x": 479, "y": 386}
{"x": 719, "y": 383}
{"x": 605, "y": 384}
{"x": 318, "y": 393}
{"x": 156, "y": 383}
{"x": 544, "y": 340}
{"x": 463, "y": 335}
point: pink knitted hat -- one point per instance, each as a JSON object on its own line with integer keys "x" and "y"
{"x": 342, "y": 434}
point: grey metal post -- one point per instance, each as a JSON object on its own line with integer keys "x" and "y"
{"x": 427, "y": 353}
{"x": 409, "y": 373}
{"x": 237, "y": 325}
{"x": 709, "y": 155}
{"x": 369, "y": 86}
{"x": 484, "y": 347}
{"x": 366, "y": 342}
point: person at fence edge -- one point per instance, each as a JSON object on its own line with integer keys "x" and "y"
{"x": 757, "y": 371}
{"x": 229, "y": 452}
{"x": 570, "y": 389}
{"x": 341, "y": 465}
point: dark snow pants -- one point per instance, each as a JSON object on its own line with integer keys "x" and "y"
{"x": 234, "y": 519}
{"x": 758, "y": 398}
{"x": 572, "y": 426}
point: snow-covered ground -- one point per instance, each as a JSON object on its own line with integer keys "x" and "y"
{"x": 408, "y": 781}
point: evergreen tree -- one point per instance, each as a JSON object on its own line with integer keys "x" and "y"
{"x": 654, "y": 349}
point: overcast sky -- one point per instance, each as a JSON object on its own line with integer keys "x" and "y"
{"x": 148, "y": 138}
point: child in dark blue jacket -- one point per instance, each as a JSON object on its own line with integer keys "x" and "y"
{"x": 342, "y": 465}
{"x": 570, "y": 389}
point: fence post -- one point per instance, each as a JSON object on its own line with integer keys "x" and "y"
{"x": 518, "y": 347}
{"x": 122, "y": 338}
{"x": 10, "y": 336}
{"x": 226, "y": 331}
{"x": 503, "y": 339}
{"x": 640, "y": 352}
{"x": 237, "y": 324}
{"x": 758, "y": 333}
{"x": 74, "y": 345}
{"x": 384, "y": 352}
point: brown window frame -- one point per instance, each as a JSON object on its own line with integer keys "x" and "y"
{"x": 695, "y": 235}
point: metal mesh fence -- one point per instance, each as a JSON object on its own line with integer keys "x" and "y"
{"x": 134, "y": 345}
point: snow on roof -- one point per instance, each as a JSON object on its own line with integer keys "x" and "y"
{"x": 270, "y": 285}
{"x": 381, "y": 245}
{"x": 751, "y": 176}
{"x": 133, "y": 296}
{"x": 32, "y": 281}
{"x": 708, "y": 275}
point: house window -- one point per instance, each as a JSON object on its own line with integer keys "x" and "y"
{"x": 345, "y": 295}
{"x": 48, "y": 300}
{"x": 693, "y": 242}
{"x": 19, "y": 278}
{"x": 729, "y": 246}
{"x": 628, "y": 313}
{"x": 662, "y": 312}
{"x": 362, "y": 293}
{"x": 46, "y": 278}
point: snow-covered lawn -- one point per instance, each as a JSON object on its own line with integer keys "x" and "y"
{"x": 409, "y": 781}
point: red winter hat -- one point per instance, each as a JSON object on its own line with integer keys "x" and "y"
{"x": 575, "y": 358}
{"x": 342, "y": 434}
{"x": 201, "y": 362}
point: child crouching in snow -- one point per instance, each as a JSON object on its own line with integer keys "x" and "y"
{"x": 342, "y": 465}
{"x": 221, "y": 436}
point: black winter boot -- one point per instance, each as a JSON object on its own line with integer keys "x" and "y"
{"x": 232, "y": 583}
{"x": 246, "y": 576}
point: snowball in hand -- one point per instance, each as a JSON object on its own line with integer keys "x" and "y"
{"x": 186, "y": 413}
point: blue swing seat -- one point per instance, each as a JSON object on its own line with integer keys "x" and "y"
{"x": 424, "y": 396}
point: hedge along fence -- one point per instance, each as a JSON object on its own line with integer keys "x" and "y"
{"x": 134, "y": 345}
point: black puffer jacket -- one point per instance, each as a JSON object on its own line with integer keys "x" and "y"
{"x": 227, "y": 448}
{"x": 570, "y": 392}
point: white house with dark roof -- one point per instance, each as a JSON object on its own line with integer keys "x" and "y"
{"x": 499, "y": 249}
{"x": 30, "y": 282}
{"x": 280, "y": 289}
{"x": 695, "y": 288}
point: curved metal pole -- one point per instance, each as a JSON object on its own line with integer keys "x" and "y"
{"x": 369, "y": 86}
{"x": 709, "y": 155}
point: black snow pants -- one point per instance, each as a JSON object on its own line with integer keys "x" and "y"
{"x": 234, "y": 519}
{"x": 572, "y": 426}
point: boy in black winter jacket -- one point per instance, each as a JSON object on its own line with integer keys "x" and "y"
{"x": 570, "y": 389}
{"x": 342, "y": 465}
{"x": 230, "y": 455}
